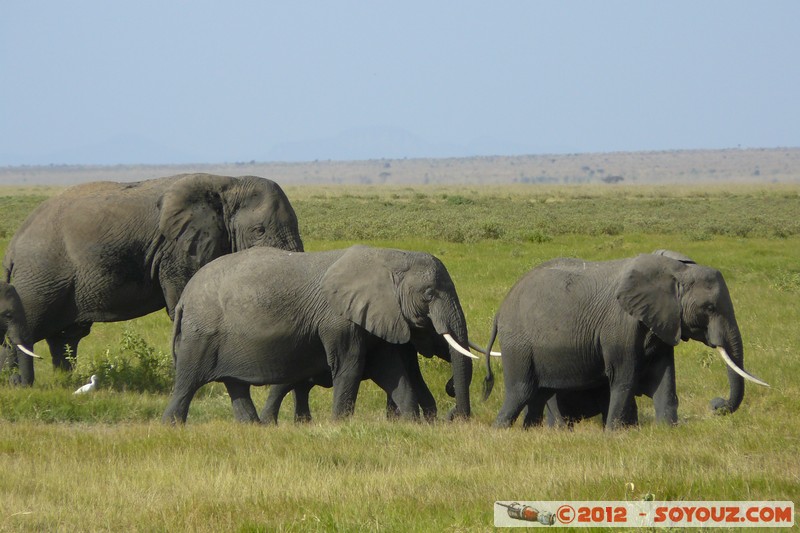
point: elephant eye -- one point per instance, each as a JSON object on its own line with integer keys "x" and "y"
{"x": 259, "y": 230}
{"x": 428, "y": 294}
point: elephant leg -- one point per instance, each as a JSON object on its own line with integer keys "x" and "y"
{"x": 391, "y": 376}
{"x": 558, "y": 414}
{"x": 427, "y": 402}
{"x": 302, "y": 410}
{"x": 662, "y": 388}
{"x": 520, "y": 387}
{"x": 64, "y": 345}
{"x": 243, "y": 408}
{"x": 534, "y": 415}
{"x": 346, "y": 381}
{"x": 269, "y": 414}
{"x": 620, "y": 398}
{"x": 392, "y": 411}
{"x": 517, "y": 396}
{"x": 630, "y": 416}
{"x": 554, "y": 417}
{"x": 575, "y": 405}
{"x": 178, "y": 408}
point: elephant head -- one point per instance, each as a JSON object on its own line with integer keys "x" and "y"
{"x": 12, "y": 320}
{"x": 681, "y": 300}
{"x": 403, "y": 297}
{"x": 206, "y": 216}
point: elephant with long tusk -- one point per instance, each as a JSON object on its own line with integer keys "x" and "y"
{"x": 13, "y": 322}
{"x": 572, "y": 328}
{"x": 107, "y": 252}
{"x": 265, "y": 316}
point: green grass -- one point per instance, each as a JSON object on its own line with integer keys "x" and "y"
{"x": 104, "y": 461}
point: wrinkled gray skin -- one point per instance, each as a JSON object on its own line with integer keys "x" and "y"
{"x": 264, "y": 316}
{"x": 12, "y": 318}
{"x": 572, "y": 325}
{"x": 105, "y": 252}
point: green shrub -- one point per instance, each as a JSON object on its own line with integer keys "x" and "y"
{"x": 132, "y": 366}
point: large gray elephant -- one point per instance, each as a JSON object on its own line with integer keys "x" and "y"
{"x": 105, "y": 252}
{"x": 570, "y": 325}
{"x": 265, "y": 316}
{"x": 12, "y": 320}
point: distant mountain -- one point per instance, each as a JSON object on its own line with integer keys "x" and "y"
{"x": 356, "y": 144}
{"x": 384, "y": 142}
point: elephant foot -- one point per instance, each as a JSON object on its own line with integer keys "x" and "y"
{"x": 16, "y": 380}
{"x": 720, "y": 406}
{"x": 302, "y": 419}
{"x": 455, "y": 414}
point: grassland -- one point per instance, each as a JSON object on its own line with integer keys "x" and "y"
{"x": 103, "y": 461}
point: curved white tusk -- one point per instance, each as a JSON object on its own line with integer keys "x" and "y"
{"x": 496, "y": 354}
{"x": 740, "y": 371}
{"x": 28, "y": 352}
{"x": 457, "y": 347}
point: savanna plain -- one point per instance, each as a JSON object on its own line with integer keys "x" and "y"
{"x": 104, "y": 461}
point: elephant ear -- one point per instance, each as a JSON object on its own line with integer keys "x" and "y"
{"x": 362, "y": 287}
{"x": 649, "y": 292}
{"x": 192, "y": 218}
{"x": 676, "y": 256}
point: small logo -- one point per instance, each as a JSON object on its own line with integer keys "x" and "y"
{"x": 517, "y": 511}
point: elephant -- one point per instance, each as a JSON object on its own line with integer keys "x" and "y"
{"x": 265, "y": 316}
{"x": 12, "y": 320}
{"x": 566, "y": 407}
{"x": 107, "y": 252}
{"x": 302, "y": 411}
{"x": 573, "y": 325}
{"x": 300, "y": 391}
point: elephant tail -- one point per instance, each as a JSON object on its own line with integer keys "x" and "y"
{"x": 176, "y": 331}
{"x": 488, "y": 381}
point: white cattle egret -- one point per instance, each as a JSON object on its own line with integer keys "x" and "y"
{"x": 88, "y": 387}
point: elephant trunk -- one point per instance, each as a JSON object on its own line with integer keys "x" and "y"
{"x": 448, "y": 320}
{"x": 19, "y": 337}
{"x": 726, "y": 337}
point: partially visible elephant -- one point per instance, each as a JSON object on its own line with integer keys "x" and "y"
{"x": 302, "y": 411}
{"x": 106, "y": 252}
{"x": 265, "y": 316}
{"x": 566, "y": 407}
{"x": 572, "y": 325}
{"x": 12, "y": 320}
{"x": 300, "y": 391}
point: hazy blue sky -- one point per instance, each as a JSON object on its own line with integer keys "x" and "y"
{"x": 166, "y": 81}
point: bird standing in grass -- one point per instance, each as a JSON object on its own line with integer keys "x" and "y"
{"x": 89, "y": 386}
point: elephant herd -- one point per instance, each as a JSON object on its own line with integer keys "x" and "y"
{"x": 250, "y": 307}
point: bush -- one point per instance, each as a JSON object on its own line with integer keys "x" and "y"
{"x": 133, "y": 366}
